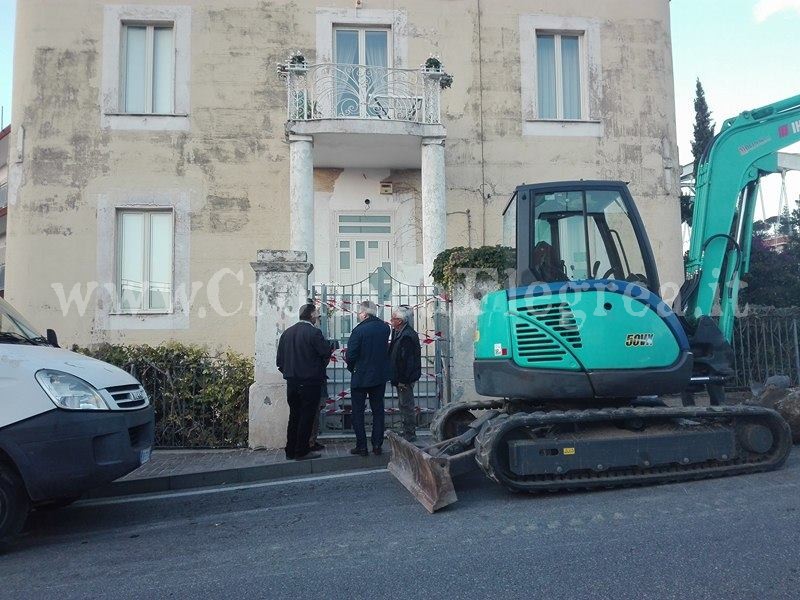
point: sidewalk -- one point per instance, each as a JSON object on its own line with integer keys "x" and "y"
{"x": 170, "y": 470}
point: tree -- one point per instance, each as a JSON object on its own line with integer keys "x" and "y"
{"x": 703, "y": 125}
{"x": 785, "y": 225}
{"x": 774, "y": 277}
{"x": 703, "y": 135}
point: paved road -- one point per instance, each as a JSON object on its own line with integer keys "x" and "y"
{"x": 362, "y": 536}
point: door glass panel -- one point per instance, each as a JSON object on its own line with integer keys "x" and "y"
{"x": 377, "y": 49}
{"x": 360, "y": 251}
{"x": 374, "y": 80}
{"x": 572, "y": 248}
{"x": 363, "y": 229}
{"x": 601, "y": 262}
{"x": 623, "y": 245}
{"x": 373, "y": 245}
{"x": 559, "y": 244}
{"x": 347, "y": 97}
{"x": 365, "y": 219}
{"x": 344, "y": 260}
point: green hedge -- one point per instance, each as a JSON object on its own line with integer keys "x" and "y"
{"x": 200, "y": 398}
{"x": 492, "y": 259}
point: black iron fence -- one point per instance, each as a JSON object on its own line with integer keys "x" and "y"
{"x": 338, "y": 307}
{"x": 765, "y": 342}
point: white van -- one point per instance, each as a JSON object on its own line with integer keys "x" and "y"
{"x": 68, "y": 423}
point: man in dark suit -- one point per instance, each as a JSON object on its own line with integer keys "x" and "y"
{"x": 406, "y": 367}
{"x": 303, "y": 355}
{"x": 368, "y": 361}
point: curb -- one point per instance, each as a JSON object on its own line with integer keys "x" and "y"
{"x": 183, "y": 481}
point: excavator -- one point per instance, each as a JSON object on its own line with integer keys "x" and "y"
{"x": 572, "y": 360}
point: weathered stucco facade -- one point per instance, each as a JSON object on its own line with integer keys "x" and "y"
{"x": 220, "y": 161}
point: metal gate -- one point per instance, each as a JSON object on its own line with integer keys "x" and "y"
{"x": 338, "y": 309}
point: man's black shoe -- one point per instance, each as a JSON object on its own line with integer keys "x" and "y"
{"x": 290, "y": 457}
{"x": 377, "y": 451}
{"x": 317, "y": 447}
{"x": 308, "y": 456}
{"x": 359, "y": 451}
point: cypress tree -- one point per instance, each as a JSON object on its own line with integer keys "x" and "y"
{"x": 703, "y": 125}
{"x": 703, "y": 134}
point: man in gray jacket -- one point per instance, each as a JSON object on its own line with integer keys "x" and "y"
{"x": 405, "y": 362}
{"x": 303, "y": 355}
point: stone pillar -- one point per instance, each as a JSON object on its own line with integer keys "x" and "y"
{"x": 301, "y": 194}
{"x": 434, "y": 202}
{"x": 466, "y": 297}
{"x": 281, "y": 289}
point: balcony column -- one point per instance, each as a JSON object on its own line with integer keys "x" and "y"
{"x": 434, "y": 203}
{"x": 301, "y": 194}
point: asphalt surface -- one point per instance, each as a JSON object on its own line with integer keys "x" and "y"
{"x": 363, "y": 536}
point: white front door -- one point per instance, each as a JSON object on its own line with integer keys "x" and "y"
{"x": 363, "y": 243}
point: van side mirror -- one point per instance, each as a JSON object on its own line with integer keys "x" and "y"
{"x": 52, "y": 338}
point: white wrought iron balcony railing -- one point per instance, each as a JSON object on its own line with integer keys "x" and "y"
{"x": 341, "y": 91}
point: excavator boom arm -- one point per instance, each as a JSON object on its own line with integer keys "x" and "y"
{"x": 726, "y": 190}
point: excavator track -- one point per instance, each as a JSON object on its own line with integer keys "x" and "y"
{"x": 742, "y": 429}
{"x": 455, "y": 417}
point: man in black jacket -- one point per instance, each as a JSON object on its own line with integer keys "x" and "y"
{"x": 368, "y": 361}
{"x": 303, "y": 355}
{"x": 405, "y": 362}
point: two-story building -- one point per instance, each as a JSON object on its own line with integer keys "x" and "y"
{"x": 156, "y": 146}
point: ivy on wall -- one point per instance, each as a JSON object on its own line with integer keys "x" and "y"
{"x": 493, "y": 260}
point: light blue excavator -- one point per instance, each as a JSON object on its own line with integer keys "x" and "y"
{"x": 569, "y": 355}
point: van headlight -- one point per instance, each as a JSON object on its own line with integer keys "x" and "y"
{"x": 70, "y": 392}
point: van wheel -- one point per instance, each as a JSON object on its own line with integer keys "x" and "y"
{"x": 14, "y": 503}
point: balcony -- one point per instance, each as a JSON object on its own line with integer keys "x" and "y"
{"x": 364, "y": 116}
{"x": 351, "y": 116}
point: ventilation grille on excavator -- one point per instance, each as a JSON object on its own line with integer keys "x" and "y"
{"x": 536, "y": 345}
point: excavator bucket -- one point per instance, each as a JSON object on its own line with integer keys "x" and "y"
{"x": 428, "y": 472}
{"x": 427, "y": 477}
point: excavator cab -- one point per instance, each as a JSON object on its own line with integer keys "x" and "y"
{"x": 580, "y": 231}
{"x": 585, "y": 271}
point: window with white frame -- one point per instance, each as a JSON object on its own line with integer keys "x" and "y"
{"x": 362, "y": 56}
{"x": 144, "y": 260}
{"x": 147, "y": 68}
{"x": 560, "y": 75}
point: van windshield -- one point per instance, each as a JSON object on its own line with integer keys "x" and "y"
{"x": 14, "y": 329}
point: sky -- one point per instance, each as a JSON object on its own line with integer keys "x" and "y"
{"x": 745, "y": 53}
{"x": 7, "y": 18}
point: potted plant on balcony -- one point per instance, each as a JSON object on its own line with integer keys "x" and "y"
{"x": 295, "y": 62}
{"x": 434, "y": 67}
